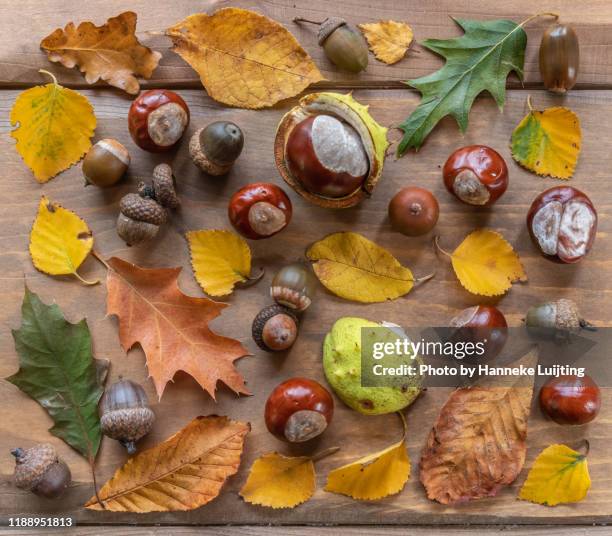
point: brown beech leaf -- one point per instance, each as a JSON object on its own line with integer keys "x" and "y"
{"x": 171, "y": 327}
{"x": 184, "y": 472}
{"x": 110, "y": 52}
{"x": 477, "y": 444}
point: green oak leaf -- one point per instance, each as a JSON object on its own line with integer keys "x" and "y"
{"x": 58, "y": 370}
{"x": 480, "y": 60}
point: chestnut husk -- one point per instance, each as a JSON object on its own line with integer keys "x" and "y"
{"x": 344, "y": 107}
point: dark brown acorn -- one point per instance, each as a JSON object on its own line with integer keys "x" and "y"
{"x": 293, "y": 286}
{"x": 125, "y": 414}
{"x": 275, "y": 328}
{"x": 343, "y": 44}
{"x": 559, "y": 58}
{"x": 216, "y": 147}
{"x": 41, "y": 471}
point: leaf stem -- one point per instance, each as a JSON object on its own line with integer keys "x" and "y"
{"x": 297, "y": 20}
{"x": 529, "y": 104}
{"x": 537, "y": 15}
{"x": 324, "y": 453}
{"x": 584, "y": 444}
{"x": 85, "y": 281}
{"x": 404, "y": 423}
{"x": 95, "y": 482}
{"x": 423, "y": 278}
{"x": 437, "y": 244}
{"x": 252, "y": 279}
{"x": 99, "y": 258}
{"x": 44, "y": 71}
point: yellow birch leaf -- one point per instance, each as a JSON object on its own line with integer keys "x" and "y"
{"x": 59, "y": 241}
{"x": 355, "y": 268}
{"x": 279, "y": 481}
{"x": 243, "y": 58}
{"x": 110, "y": 52}
{"x": 388, "y": 39}
{"x": 55, "y": 128}
{"x": 548, "y": 142}
{"x": 374, "y": 476}
{"x": 559, "y": 475}
{"x": 219, "y": 259}
{"x": 184, "y": 472}
{"x": 486, "y": 264}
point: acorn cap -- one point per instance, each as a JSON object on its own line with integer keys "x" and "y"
{"x": 163, "y": 186}
{"x": 329, "y": 26}
{"x": 259, "y": 323}
{"x": 142, "y": 209}
{"x": 31, "y": 464}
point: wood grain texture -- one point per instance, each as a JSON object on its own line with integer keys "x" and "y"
{"x": 21, "y": 58}
{"x": 23, "y": 422}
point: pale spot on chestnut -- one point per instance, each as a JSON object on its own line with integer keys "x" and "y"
{"x": 166, "y": 124}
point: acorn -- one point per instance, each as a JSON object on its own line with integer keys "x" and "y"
{"x": 275, "y": 328}
{"x": 105, "y": 163}
{"x": 343, "y": 44}
{"x": 555, "y": 319}
{"x": 216, "y": 147}
{"x": 141, "y": 214}
{"x": 559, "y": 58}
{"x": 125, "y": 414}
{"x": 293, "y": 286}
{"x": 41, "y": 471}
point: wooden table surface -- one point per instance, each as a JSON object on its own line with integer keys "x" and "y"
{"x": 23, "y": 422}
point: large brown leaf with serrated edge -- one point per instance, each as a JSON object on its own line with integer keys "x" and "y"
{"x": 110, "y": 52}
{"x": 171, "y": 327}
{"x": 477, "y": 444}
{"x": 183, "y": 472}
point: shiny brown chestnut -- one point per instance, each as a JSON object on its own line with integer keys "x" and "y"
{"x": 562, "y": 223}
{"x": 570, "y": 399}
{"x": 476, "y": 175}
{"x": 327, "y": 156}
{"x": 482, "y": 323}
{"x": 259, "y": 210}
{"x": 157, "y": 120}
{"x": 298, "y": 410}
{"x": 559, "y": 58}
{"x": 413, "y": 211}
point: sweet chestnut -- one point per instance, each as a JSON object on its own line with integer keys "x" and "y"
{"x": 570, "y": 399}
{"x": 476, "y": 175}
{"x": 259, "y": 210}
{"x": 327, "y": 156}
{"x": 298, "y": 410}
{"x": 157, "y": 120}
{"x": 562, "y": 223}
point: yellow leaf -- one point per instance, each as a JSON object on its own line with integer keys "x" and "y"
{"x": 243, "y": 58}
{"x": 388, "y": 40}
{"x": 110, "y": 52}
{"x": 355, "y": 268}
{"x": 184, "y": 472}
{"x": 548, "y": 142}
{"x": 486, "y": 264}
{"x": 279, "y": 481}
{"x": 219, "y": 259}
{"x": 59, "y": 241}
{"x": 559, "y": 475}
{"x": 55, "y": 126}
{"x": 375, "y": 476}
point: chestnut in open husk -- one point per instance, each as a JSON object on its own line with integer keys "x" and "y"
{"x": 330, "y": 150}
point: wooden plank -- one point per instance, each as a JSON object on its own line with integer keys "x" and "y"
{"x": 21, "y": 58}
{"x": 23, "y": 422}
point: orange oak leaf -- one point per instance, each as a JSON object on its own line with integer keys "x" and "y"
{"x": 171, "y": 327}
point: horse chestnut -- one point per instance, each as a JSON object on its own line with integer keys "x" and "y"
{"x": 476, "y": 175}
{"x": 562, "y": 223}
{"x": 570, "y": 399}
{"x": 259, "y": 210}
{"x": 298, "y": 410}
{"x": 482, "y": 323}
{"x": 413, "y": 211}
{"x": 157, "y": 120}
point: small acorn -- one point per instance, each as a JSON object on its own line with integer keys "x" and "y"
{"x": 275, "y": 328}
{"x": 141, "y": 214}
{"x": 105, "y": 163}
{"x": 293, "y": 286}
{"x": 216, "y": 147}
{"x": 555, "y": 319}
{"x": 343, "y": 44}
{"x": 41, "y": 471}
{"x": 125, "y": 414}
